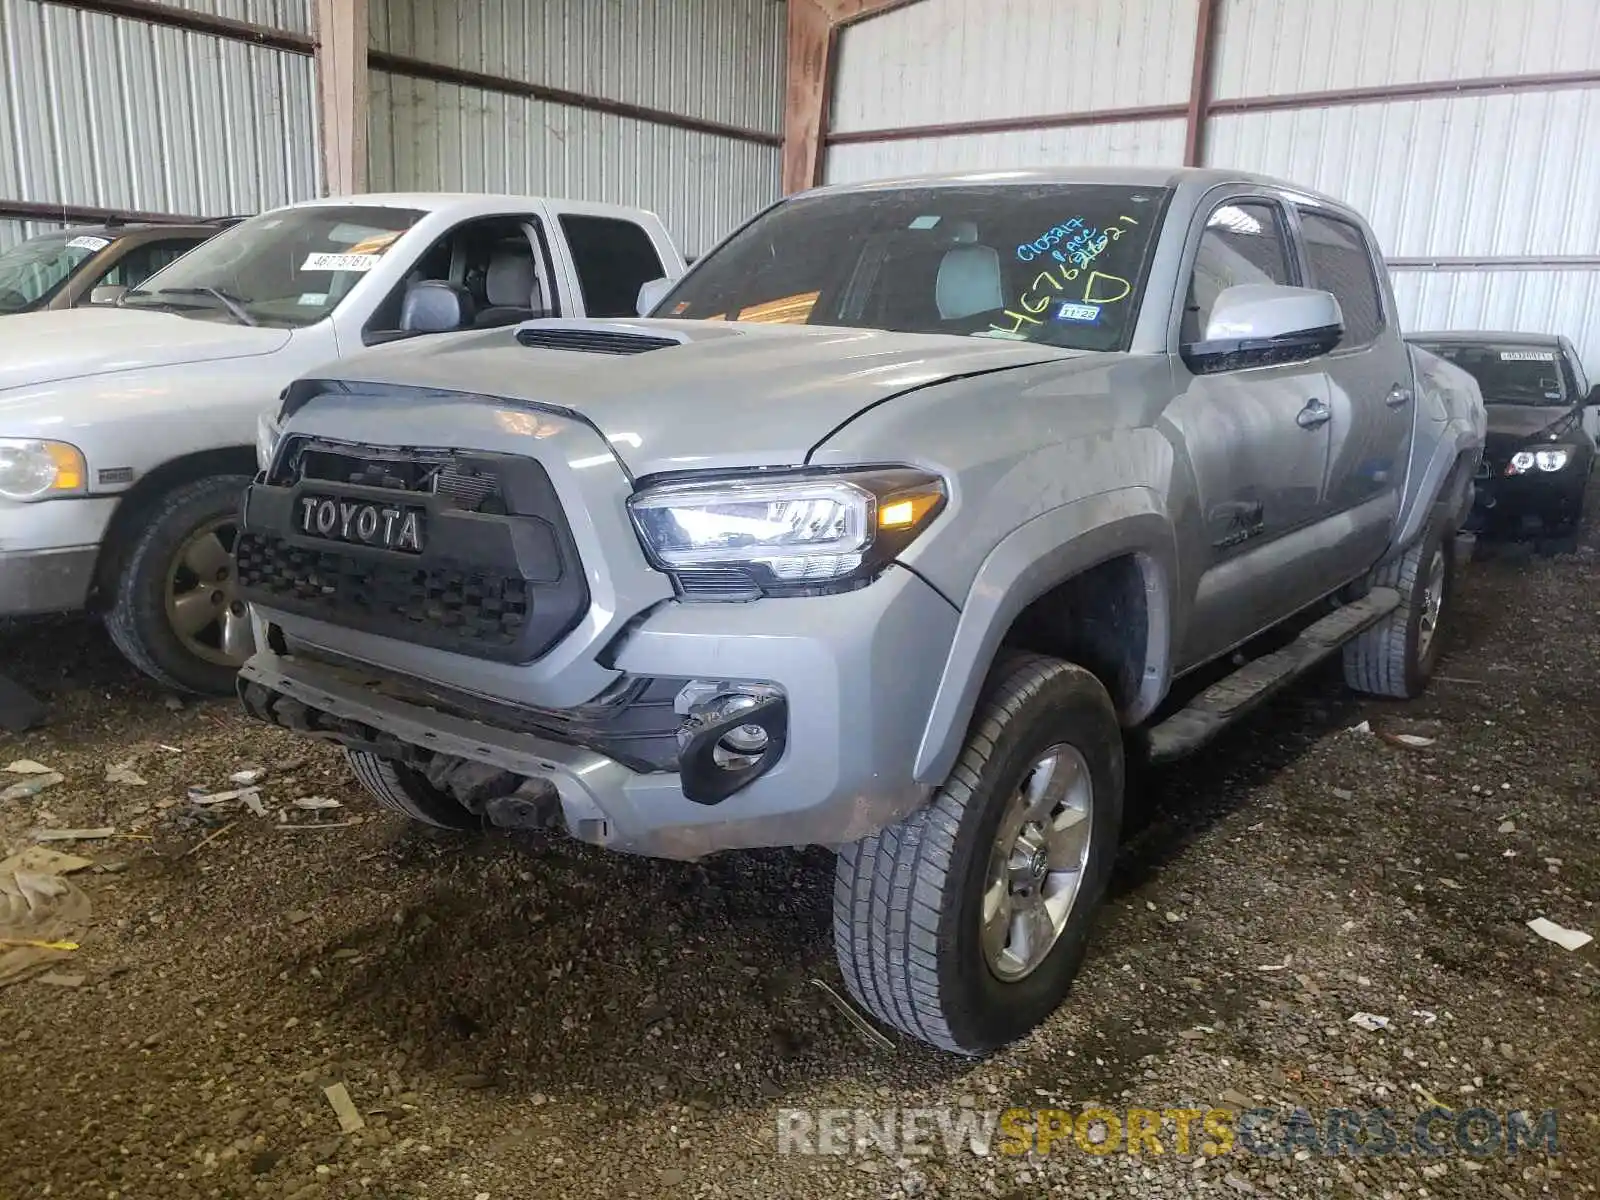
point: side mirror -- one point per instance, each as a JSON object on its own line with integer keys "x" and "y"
{"x": 1263, "y": 324}
{"x": 107, "y": 293}
{"x": 435, "y": 306}
{"x": 651, "y": 294}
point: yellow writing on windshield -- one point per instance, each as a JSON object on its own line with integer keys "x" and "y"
{"x": 1070, "y": 279}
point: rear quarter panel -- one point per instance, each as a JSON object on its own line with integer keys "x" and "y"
{"x": 1450, "y": 428}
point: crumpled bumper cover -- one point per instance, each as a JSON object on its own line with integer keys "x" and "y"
{"x": 853, "y": 668}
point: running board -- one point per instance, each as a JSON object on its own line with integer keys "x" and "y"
{"x": 1214, "y": 709}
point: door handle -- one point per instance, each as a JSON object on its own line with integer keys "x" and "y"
{"x": 1398, "y": 396}
{"x": 1315, "y": 413}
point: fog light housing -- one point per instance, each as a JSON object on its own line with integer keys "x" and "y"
{"x": 733, "y": 733}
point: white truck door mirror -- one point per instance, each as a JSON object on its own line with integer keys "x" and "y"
{"x": 650, "y": 295}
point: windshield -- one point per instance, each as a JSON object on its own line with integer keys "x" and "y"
{"x": 1061, "y": 264}
{"x": 32, "y": 272}
{"x": 1509, "y": 374}
{"x": 285, "y": 268}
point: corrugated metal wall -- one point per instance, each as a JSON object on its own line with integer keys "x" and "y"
{"x": 106, "y": 112}
{"x": 716, "y": 60}
{"x": 942, "y": 61}
{"x": 1478, "y": 176}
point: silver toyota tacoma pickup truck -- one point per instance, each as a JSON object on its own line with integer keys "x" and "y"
{"x": 903, "y": 510}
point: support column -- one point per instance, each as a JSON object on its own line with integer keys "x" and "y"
{"x": 1205, "y": 41}
{"x": 341, "y": 66}
{"x": 813, "y": 38}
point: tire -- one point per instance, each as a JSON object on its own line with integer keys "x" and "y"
{"x": 137, "y": 617}
{"x": 401, "y": 789}
{"x": 1396, "y": 657}
{"x": 908, "y": 902}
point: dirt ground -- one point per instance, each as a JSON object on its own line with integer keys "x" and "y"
{"x": 529, "y": 1018}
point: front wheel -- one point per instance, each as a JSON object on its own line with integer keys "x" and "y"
{"x": 404, "y": 790}
{"x": 175, "y": 614}
{"x": 964, "y": 924}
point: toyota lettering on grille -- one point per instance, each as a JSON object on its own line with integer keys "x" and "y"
{"x": 363, "y": 523}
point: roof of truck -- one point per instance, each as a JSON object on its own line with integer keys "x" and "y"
{"x": 1486, "y": 336}
{"x": 435, "y": 201}
{"x": 1168, "y": 177}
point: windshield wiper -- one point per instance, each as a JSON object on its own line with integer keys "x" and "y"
{"x": 232, "y": 303}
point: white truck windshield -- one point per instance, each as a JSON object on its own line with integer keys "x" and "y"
{"x": 286, "y": 268}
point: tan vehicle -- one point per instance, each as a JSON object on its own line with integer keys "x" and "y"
{"x": 93, "y": 264}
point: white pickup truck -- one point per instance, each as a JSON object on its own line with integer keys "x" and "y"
{"x": 127, "y": 434}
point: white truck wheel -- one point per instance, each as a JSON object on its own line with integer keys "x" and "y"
{"x": 174, "y": 613}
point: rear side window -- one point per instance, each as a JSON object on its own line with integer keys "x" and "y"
{"x": 1244, "y": 242}
{"x": 614, "y": 259}
{"x": 1341, "y": 263}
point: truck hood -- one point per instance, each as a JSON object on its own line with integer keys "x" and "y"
{"x": 718, "y": 394}
{"x": 44, "y": 347}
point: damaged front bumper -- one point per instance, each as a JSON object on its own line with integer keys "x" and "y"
{"x": 855, "y": 687}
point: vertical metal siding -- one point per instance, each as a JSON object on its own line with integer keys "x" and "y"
{"x": 12, "y": 232}
{"x": 1475, "y": 175}
{"x": 1525, "y": 301}
{"x": 428, "y": 135}
{"x": 102, "y": 111}
{"x": 1143, "y": 143}
{"x": 291, "y": 16}
{"x": 939, "y": 61}
{"x": 716, "y": 59}
{"x": 1280, "y": 47}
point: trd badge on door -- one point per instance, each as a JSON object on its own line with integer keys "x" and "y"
{"x": 1245, "y": 521}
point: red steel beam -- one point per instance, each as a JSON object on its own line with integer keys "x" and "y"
{"x": 1205, "y": 44}
{"x": 1436, "y": 89}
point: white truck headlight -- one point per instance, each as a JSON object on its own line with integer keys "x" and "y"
{"x": 1547, "y": 459}
{"x": 793, "y": 534}
{"x": 37, "y": 470}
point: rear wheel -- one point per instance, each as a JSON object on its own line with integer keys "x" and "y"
{"x": 402, "y": 789}
{"x": 1397, "y": 656}
{"x": 964, "y": 924}
{"x": 175, "y": 614}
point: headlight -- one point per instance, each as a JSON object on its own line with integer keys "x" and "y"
{"x": 1550, "y": 458}
{"x": 266, "y": 438}
{"x": 789, "y": 535}
{"x": 33, "y": 470}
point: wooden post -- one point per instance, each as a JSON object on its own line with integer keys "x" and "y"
{"x": 813, "y": 37}
{"x": 1205, "y": 41}
{"x": 341, "y": 66}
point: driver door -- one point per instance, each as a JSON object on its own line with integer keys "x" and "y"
{"x": 1258, "y": 440}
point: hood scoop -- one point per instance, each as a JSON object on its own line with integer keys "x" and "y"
{"x": 596, "y": 337}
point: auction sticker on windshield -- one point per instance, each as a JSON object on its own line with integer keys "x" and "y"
{"x": 1527, "y": 356}
{"x": 88, "y": 243}
{"x": 340, "y": 262}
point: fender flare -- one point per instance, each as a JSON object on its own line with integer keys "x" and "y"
{"x": 1456, "y": 443}
{"x": 1042, "y": 554}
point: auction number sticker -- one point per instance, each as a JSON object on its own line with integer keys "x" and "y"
{"x": 340, "y": 262}
{"x": 89, "y": 243}
{"x": 1527, "y": 356}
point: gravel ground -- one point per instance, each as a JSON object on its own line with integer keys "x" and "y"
{"x": 523, "y": 1018}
